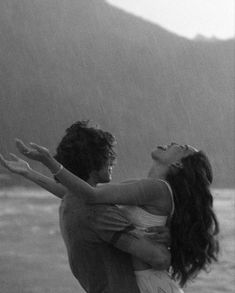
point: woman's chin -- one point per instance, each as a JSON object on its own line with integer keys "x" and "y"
{"x": 154, "y": 155}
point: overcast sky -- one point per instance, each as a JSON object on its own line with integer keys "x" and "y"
{"x": 188, "y": 18}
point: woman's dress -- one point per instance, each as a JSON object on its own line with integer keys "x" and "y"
{"x": 151, "y": 280}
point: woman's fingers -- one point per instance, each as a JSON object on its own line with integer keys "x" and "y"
{"x": 25, "y": 150}
{"x": 15, "y": 157}
{"x": 39, "y": 148}
{"x": 35, "y": 146}
{"x": 22, "y": 148}
{"x": 33, "y": 152}
{"x": 20, "y": 145}
{"x": 2, "y": 161}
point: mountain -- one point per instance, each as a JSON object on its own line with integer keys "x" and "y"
{"x": 62, "y": 61}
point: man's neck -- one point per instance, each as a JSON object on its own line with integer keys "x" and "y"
{"x": 91, "y": 180}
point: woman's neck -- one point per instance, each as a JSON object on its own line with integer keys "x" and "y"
{"x": 158, "y": 171}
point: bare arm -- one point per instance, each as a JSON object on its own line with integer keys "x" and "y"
{"x": 154, "y": 254}
{"x": 137, "y": 192}
{"x": 21, "y": 167}
{"x": 111, "y": 225}
{"x": 132, "y": 193}
{"x": 47, "y": 183}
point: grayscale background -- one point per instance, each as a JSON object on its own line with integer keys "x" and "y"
{"x": 62, "y": 61}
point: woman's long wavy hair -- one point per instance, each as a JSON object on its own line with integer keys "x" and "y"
{"x": 84, "y": 149}
{"x": 194, "y": 226}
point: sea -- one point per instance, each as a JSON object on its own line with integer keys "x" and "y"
{"x": 33, "y": 257}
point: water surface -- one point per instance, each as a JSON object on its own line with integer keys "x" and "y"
{"x": 33, "y": 257}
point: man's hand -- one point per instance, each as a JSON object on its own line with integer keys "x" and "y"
{"x": 34, "y": 152}
{"x": 156, "y": 234}
{"x": 17, "y": 165}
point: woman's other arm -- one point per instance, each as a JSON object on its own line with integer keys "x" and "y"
{"x": 21, "y": 167}
{"x": 132, "y": 193}
{"x": 47, "y": 183}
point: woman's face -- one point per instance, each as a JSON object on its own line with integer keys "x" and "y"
{"x": 172, "y": 153}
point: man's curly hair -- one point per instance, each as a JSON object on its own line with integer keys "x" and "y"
{"x": 85, "y": 148}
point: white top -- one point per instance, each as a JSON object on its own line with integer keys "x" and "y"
{"x": 172, "y": 197}
{"x": 141, "y": 218}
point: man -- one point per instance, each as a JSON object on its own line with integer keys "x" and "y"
{"x": 90, "y": 232}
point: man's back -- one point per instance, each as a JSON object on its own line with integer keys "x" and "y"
{"x": 98, "y": 266}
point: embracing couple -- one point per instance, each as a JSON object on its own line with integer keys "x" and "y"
{"x": 115, "y": 233}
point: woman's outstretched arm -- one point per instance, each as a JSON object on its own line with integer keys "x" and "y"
{"x": 21, "y": 167}
{"x": 47, "y": 183}
{"x": 133, "y": 193}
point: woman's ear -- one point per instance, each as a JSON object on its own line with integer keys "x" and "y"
{"x": 177, "y": 165}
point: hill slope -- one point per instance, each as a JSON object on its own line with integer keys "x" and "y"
{"x": 67, "y": 60}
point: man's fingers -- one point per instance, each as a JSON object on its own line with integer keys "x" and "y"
{"x": 157, "y": 235}
{"x": 156, "y": 229}
{"x": 159, "y": 238}
{"x": 113, "y": 219}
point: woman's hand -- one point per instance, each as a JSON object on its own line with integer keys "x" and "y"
{"x": 41, "y": 154}
{"x": 34, "y": 152}
{"x": 17, "y": 166}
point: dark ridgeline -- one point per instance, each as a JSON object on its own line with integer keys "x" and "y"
{"x": 67, "y": 60}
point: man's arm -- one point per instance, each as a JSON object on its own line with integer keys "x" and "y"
{"x": 158, "y": 256}
{"x": 111, "y": 226}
